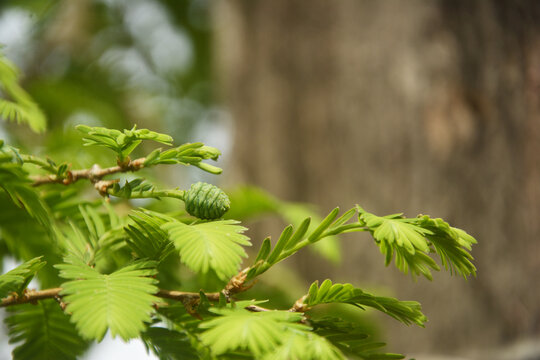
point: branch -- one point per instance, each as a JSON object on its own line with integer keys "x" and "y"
{"x": 94, "y": 174}
{"x": 235, "y": 285}
{"x": 32, "y": 296}
{"x": 184, "y": 296}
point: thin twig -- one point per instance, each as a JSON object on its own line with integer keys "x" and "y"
{"x": 255, "y": 308}
{"x": 94, "y": 174}
{"x": 183, "y": 295}
{"x": 30, "y": 296}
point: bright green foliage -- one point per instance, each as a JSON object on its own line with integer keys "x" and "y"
{"x": 122, "y": 142}
{"x": 274, "y": 333}
{"x": 301, "y": 345}
{"x": 407, "y": 312}
{"x": 17, "y": 280}
{"x": 290, "y": 241}
{"x": 113, "y": 255}
{"x": 136, "y": 188}
{"x": 215, "y": 245}
{"x": 451, "y": 244}
{"x": 411, "y": 239}
{"x": 93, "y": 236}
{"x": 250, "y": 202}
{"x": 351, "y": 339}
{"x": 45, "y": 332}
{"x": 21, "y": 109}
{"x": 121, "y": 301}
{"x": 146, "y": 237}
{"x": 15, "y": 182}
{"x": 186, "y": 154}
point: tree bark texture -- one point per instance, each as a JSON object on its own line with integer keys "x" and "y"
{"x": 415, "y": 106}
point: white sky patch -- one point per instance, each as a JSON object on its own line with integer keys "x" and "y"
{"x": 16, "y": 27}
{"x": 128, "y": 62}
{"x": 116, "y": 349}
{"x": 169, "y": 47}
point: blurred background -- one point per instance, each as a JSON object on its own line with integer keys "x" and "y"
{"x": 420, "y": 106}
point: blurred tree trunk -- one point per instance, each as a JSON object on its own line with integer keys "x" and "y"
{"x": 419, "y": 106}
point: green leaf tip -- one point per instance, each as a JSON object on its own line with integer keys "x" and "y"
{"x": 413, "y": 239}
{"x": 186, "y": 154}
{"x": 16, "y": 280}
{"x": 43, "y": 331}
{"x": 408, "y": 312}
{"x": 122, "y": 142}
{"x": 275, "y": 335}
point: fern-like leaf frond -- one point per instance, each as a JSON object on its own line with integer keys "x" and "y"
{"x": 265, "y": 335}
{"x": 351, "y": 339}
{"x": 186, "y": 154}
{"x": 122, "y": 142}
{"x": 412, "y": 239}
{"x": 291, "y": 240}
{"x": 121, "y": 301}
{"x": 15, "y": 182}
{"x": 17, "y": 280}
{"x": 43, "y": 331}
{"x": 305, "y": 345}
{"x": 215, "y": 245}
{"x": 407, "y": 312}
{"x": 236, "y": 329}
{"x": 146, "y": 237}
{"x": 451, "y": 244}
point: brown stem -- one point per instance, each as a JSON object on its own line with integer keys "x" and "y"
{"x": 189, "y": 299}
{"x": 299, "y": 305}
{"x": 255, "y": 308}
{"x": 185, "y": 296}
{"x": 30, "y": 296}
{"x": 94, "y": 174}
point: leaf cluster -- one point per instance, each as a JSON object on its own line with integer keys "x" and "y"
{"x": 408, "y": 312}
{"x": 412, "y": 239}
{"x": 186, "y": 154}
{"x": 109, "y": 260}
{"x": 291, "y": 241}
{"x": 121, "y": 142}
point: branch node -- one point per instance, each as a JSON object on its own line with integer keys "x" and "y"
{"x": 102, "y": 186}
{"x": 299, "y": 305}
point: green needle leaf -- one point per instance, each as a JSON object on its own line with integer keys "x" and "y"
{"x": 315, "y": 235}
